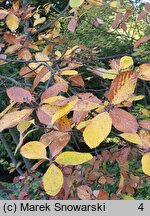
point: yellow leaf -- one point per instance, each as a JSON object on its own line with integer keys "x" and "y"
{"x": 83, "y": 124}
{"x": 13, "y": 118}
{"x": 127, "y": 197}
{"x": 34, "y": 150}
{"x": 135, "y": 98}
{"x": 133, "y": 138}
{"x": 69, "y": 72}
{"x": 111, "y": 74}
{"x": 146, "y": 163}
{"x": 97, "y": 130}
{"x": 114, "y": 4}
{"x": 39, "y": 21}
{"x": 63, "y": 111}
{"x": 53, "y": 99}
{"x": 145, "y": 112}
{"x": 24, "y": 125}
{"x": 76, "y": 3}
{"x": 95, "y": 2}
{"x": 126, "y": 62}
{"x": 53, "y": 180}
{"x": 58, "y": 53}
{"x": 73, "y": 158}
{"x": 69, "y": 51}
{"x": 12, "y": 22}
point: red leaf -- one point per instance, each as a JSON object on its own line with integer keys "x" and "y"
{"x": 123, "y": 121}
{"x": 127, "y": 14}
{"x": 141, "y": 15}
{"x": 72, "y": 25}
{"x": 53, "y": 91}
{"x": 19, "y": 95}
{"x": 147, "y": 7}
{"x": 117, "y": 21}
{"x": 141, "y": 40}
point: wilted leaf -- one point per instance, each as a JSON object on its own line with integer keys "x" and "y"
{"x": 144, "y": 72}
{"x": 3, "y": 14}
{"x": 62, "y": 111}
{"x": 76, "y": 3}
{"x": 73, "y": 158}
{"x": 13, "y": 118}
{"x": 53, "y": 180}
{"x": 146, "y": 163}
{"x": 97, "y": 130}
{"x": 84, "y": 192}
{"x": 145, "y": 137}
{"x": 13, "y": 48}
{"x": 63, "y": 124}
{"x": 122, "y": 87}
{"x": 56, "y": 140}
{"x": 19, "y": 95}
{"x": 24, "y": 54}
{"x": 12, "y": 22}
{"x": 39, "y": 21}
{"x": 123, "y": 121}
{"x": 34, "y": 150}
{"x": 131, "y": 137}
{"x": 126, "y": 62}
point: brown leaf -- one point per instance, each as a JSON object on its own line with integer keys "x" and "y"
{"x": 72, "y": 24}
{"x": 19, "y": 95}
{"x": 84, "y": 192}
{"x": 145, "y": 124}
{"x": 122, "y": 87}
{"x": 123, "y": 121}
{"x": 53, "y": 91}
{"x": 56, "y": 140}
{"x": 103, "y": 195}
{"x": 145, "y": 137}
{"x": 43, "y": 117}
{"x": 141, "y": 40}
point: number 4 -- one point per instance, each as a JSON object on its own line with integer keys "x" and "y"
{"x": 141, "y": 207}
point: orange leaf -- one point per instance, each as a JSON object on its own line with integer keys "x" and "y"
{"x": 123, "y": 121}
{"x": 122, "y": 87}
{"x": 56, "y": 140}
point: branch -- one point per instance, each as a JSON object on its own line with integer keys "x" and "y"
{"x": 4, "y": 142}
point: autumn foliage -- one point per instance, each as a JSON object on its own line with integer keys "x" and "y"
{"x": 47, "y": 101}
